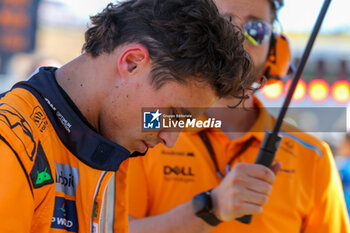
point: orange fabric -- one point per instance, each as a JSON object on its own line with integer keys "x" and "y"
{"x": 121, "y": 216}
{"x": 20, "y": 198}
{"x": 306, "y": 197}
{"x": 23, "y": 212}
{"x": 278, "y": 61}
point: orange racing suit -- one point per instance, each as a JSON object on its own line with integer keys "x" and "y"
{"x": 56, "y": 173}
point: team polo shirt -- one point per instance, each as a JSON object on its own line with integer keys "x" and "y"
{"x": 306, "y": 197}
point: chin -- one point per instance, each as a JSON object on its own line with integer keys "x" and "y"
{"x": 141, "y": 147}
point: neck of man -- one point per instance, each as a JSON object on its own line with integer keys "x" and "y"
{"x": 238, "y": 121}
{"x": 81, "y": 80}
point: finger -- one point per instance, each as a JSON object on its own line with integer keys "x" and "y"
{"x": 255, "y": 197}
{"x": 257, "y": 185}
{"x": 276, "y": 167}
{"x": 261, "y": 172}
{"x": 251, "y": 209}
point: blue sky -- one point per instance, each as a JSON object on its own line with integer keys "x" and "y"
{"x": 297, "y": 15}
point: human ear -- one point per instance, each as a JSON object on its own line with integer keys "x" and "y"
{"x": 132, "y": 59}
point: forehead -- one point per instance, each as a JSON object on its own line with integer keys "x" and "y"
{"x": 243, "y": 10}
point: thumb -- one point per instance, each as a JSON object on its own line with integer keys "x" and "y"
{"x": 276, "y": 167}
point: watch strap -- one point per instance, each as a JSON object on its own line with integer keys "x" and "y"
{"x": 207, "y": 213}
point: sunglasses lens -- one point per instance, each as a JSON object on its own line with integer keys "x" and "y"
{"x": 257, "y": 32}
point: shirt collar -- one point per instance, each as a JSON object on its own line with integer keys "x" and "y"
{"x": 82, "y": 141}
{"x": 263, "y": 123}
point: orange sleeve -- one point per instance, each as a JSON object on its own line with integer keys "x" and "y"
{"x": 138, "y": 188}
{"x": 16, "y": 199}
{"x": 329, "y": 213}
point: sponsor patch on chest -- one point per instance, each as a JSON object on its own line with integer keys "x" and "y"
{"x": 65, "y": 215}
{"x": 67, "y": 178}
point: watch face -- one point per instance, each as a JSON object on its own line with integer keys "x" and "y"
{"x": 201, "y": 204}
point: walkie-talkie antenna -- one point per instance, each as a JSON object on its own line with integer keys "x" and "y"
{"x": 271, "y": 141}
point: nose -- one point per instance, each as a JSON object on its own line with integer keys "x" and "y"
{"x": 168, "y": 138}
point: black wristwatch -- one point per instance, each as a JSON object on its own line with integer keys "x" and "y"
{"x": 203, "y": 208}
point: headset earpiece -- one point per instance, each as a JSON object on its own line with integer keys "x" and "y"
{"x": 278, "y": 62}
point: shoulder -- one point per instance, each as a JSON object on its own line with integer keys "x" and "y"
{"x": 304, "y": 141}
{"x": 19, "y": 118}
{"x": 17, "y": 121}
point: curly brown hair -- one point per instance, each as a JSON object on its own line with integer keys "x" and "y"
{"x": 186, "y": 39}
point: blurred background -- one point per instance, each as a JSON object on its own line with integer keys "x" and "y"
{"x": 35, "y": 33}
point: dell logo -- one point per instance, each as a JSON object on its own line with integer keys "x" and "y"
{"x": 185, "y": 171}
